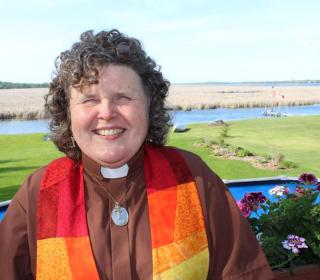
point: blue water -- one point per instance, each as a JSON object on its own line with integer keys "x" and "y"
{"x": 2, "y": 212}
{"x": 227, "y": 114}
{"x": 179, "y": 117}
{"x": 23, "y": 127}
{"x": 239, "y": 189}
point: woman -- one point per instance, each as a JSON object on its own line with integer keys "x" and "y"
{"x": 120, "y": 205}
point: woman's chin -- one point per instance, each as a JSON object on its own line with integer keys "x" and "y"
{"x": 112, "y": 161}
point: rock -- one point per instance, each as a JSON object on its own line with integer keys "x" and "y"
{"x": 46, "y": 138}
{"x": 218, "y": 123}
{"x": 180, "y": 128}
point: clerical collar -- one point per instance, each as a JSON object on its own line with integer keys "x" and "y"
{"x": 113, "y": 173}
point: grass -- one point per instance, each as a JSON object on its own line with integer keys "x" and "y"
{"x": 19, "y": 156}
{"x": 297, "y": 138}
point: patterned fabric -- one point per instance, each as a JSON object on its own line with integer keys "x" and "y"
{"x": 179, "y": 242}
{"x": 63, "y": 244}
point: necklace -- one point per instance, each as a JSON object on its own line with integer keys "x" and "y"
{"x": 119, "y": 214}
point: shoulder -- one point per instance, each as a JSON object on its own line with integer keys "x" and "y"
{"x": 187, "y": 155}
{"x": 198, "y": 167}
{"x": 28, "y": 192}
{"x": 212, "y": 190}
{"x": 27, "y": 195}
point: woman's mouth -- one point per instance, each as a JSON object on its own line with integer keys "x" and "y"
{"x": 109, "y": 132}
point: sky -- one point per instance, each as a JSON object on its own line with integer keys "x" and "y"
{"x": 192, "y": 40}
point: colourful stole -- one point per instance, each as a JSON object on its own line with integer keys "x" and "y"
{"x": 179, "y": 242}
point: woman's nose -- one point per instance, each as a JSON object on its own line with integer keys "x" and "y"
{"x": 107, "y": 109}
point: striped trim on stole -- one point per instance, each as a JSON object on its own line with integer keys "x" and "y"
{"x": 179, "y": 241}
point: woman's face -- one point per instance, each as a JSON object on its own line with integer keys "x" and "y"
{"x": 109, "y": 120}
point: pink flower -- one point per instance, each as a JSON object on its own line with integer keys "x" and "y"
{"x": 308, "y": 178}
{"x": 300, "y": 191}
{"x": 253, "y": 200}
{"x": 294, "y": 243}
{"x": 245, "y": 209}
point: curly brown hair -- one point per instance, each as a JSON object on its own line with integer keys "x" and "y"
{"x": 80, "y": 66}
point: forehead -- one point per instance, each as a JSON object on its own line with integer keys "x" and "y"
{"x": 118, "y": 78}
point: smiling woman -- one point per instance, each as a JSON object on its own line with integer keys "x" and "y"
{"x": 109, "y": 121}
{"x": 121, "y": 205}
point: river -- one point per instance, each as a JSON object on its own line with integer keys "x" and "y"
{"x": 178, "y": 117}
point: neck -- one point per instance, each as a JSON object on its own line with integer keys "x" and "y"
{"x": 112, "y": 173}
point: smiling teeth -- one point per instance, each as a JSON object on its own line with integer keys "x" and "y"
{"x": 109, "y": 132}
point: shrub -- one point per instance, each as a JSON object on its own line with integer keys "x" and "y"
{"x": 288, "y": 224}
{"x": 241, "y": 152}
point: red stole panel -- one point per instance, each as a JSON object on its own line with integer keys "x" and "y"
{"x": 63, "y": 245}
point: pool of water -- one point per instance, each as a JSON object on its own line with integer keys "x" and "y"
{"x": 238, "y": 189}
{"x": 3, "y": 210}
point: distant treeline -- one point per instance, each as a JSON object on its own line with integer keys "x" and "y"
{"x": 273, "y": 83}
{"x": 263, "y": 83}
{"x": 9, "y": 85}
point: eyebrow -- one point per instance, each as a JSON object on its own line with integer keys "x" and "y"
{"x": 87, "y": 94}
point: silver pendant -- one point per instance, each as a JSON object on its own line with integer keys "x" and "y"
{"x": 119, "y": 215}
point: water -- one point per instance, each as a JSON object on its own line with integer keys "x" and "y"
{"x": 227, "y": 114}
{"x": 2, "y": 211}
{"x": 239, "y": 189}
{"x": 179, "y": 117}
{"x": 23, "y": 127}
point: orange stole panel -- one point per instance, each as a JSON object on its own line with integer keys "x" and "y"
{"x": 187, "y": 236}
{"x": 61, "y": 258}
{"x": 80, "y": 256}
{"x": 189, "y": 218}
{"x": 162, "y": 209}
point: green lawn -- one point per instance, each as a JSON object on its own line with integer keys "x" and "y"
{"x": 19, "y": 156}
{"x": 295, "y": 137}
{"x": 298, "y": 138}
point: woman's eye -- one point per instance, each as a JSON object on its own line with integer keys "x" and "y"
{"x": 124, "y": 98}
{"x": 89, "y": 101}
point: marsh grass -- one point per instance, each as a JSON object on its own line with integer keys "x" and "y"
{"x": 22, "y": 103}
{"x": 29, "y": 103}
{"x": 187, "y": 97}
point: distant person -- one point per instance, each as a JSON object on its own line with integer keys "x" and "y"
{"x": 121, "y": 205}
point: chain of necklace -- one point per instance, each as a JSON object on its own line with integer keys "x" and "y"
{"x": 119, "y": 214}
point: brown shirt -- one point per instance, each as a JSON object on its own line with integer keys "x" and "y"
{"x": 125, "y": 252}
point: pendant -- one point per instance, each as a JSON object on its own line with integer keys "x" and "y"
{"x": 119, "y": 215}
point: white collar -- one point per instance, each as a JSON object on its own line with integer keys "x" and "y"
{"x": 113, "y": 173}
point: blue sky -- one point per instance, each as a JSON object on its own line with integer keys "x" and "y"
{"x": 192, "y": 40}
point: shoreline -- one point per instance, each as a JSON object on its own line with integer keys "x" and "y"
{"x": 28, "y": 104}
